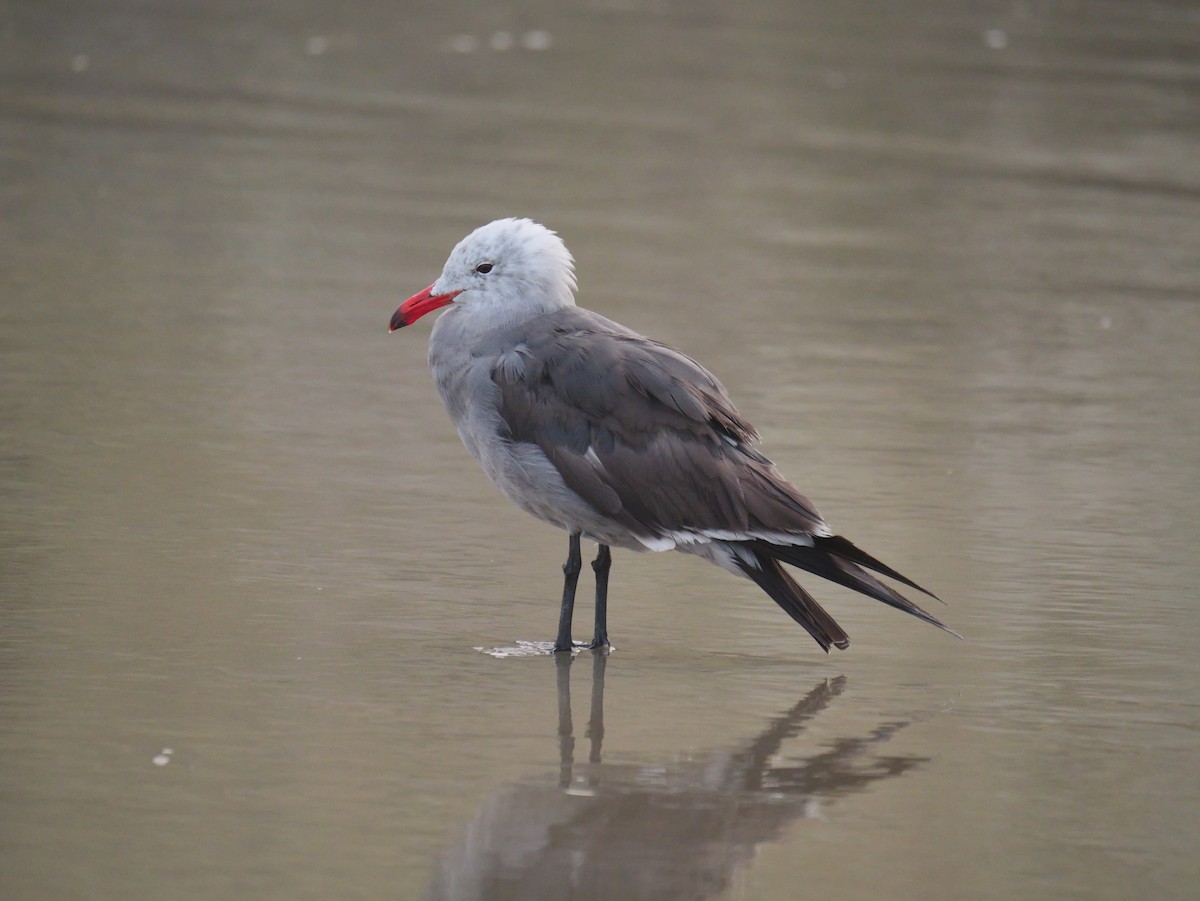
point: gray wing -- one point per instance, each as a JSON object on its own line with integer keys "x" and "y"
{"x": 642, "y": 432}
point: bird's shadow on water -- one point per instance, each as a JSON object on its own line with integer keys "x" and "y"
{"x": 679, "y": 829}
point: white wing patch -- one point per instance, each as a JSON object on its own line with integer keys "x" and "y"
{"x": 681, "y": 540}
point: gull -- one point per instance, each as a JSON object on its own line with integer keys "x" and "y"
{"x": 617, "y": 438}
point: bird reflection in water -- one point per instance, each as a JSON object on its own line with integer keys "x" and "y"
{"x": 672, "y": 831}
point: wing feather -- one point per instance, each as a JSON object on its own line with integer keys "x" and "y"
{"x": 642, "y": 432}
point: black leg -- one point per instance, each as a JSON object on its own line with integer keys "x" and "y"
{"x": 601, "y": 565}
{"x": 570, "y": 579}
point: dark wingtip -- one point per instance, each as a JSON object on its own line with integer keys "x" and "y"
{"x": 843, "y": 547}
{"x": 840, "y": 561}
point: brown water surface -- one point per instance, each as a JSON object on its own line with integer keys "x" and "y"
{"x": 945, "y": 257}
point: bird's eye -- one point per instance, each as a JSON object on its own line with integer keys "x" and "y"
{"x": 483, "y": 268}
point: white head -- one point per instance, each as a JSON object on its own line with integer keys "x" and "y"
{"x": 505, "y": 271}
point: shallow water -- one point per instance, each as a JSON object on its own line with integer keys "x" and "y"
{"x": 944, "y": 259}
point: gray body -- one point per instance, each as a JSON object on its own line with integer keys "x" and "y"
{"x": 572, "y": 393}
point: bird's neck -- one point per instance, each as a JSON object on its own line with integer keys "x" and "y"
{"x": 469, "y": 328}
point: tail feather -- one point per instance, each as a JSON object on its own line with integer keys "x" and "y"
{"x": 830, "y": 562}
{"x": 796, "y": 602}
{"x": 843, "y": 548}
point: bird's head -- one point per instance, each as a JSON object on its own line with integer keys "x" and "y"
{"x": 506, "y": 270}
